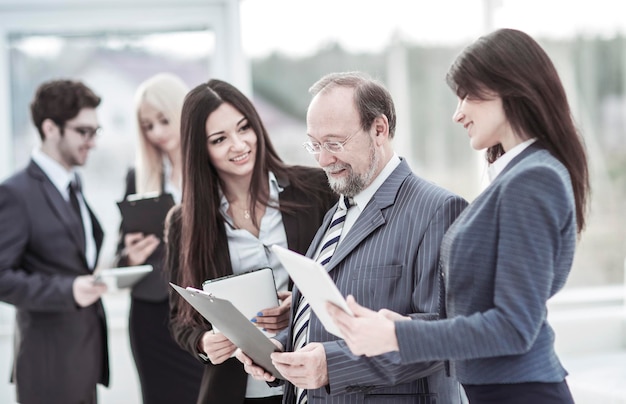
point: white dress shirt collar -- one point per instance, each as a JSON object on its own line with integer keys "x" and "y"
{"x": 169, "y": 186}
{"x": 364, "y": 196}
{"x": 497, "y": 166}
{"x": 58, "y": 175}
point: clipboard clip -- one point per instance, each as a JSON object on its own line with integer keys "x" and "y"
{"x": 194, "y": 294}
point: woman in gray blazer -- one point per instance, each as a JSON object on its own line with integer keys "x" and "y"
{"x": 512, "y": 248}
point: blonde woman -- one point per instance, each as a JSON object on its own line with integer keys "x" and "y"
{"x": 167, "y": 373}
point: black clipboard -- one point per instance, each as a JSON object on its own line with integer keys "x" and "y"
{"x": 233, "y": 325}
{"x": 145, "y": 215}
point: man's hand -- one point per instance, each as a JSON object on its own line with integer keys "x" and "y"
{"x": 276, "y": 318}
{"x": 216, "y": 346}
{"x": 253, "y": 369}
{"x": 138, "y": 248}
{"x": 305, "y": 368}
{"x": 86, "y": 291}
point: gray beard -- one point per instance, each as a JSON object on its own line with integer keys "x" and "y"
{"x": 353, "y": 184}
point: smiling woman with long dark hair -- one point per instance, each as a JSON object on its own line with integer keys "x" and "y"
{"x": 513, "y": 246}
{"x": 238, "y": 199}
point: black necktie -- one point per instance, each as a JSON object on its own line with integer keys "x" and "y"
{"x": 74, "y": 190}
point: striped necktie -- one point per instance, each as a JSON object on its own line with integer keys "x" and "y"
{"x": 303, "y": 312}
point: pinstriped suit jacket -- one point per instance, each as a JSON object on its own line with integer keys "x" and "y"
{"x": 388, "y": 259}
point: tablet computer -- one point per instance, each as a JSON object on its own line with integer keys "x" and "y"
{"x": 237, "y": 328}
{"x": 250, "y": 292}
{"x": 315, "y": 285}
{"x": 122, "y": 277}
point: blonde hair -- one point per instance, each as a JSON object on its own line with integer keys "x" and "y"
{"x": 165, "y": 92}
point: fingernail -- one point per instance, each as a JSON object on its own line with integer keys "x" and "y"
{"x": 259, "y": 314}
{"x": 264, "y": 329}
{"x": 253, "y": 320}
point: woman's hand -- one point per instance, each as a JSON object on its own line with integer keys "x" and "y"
{"x": 276, "y": 318}
{"x": 138, "y": 248}
{"x": 252, "y": 368}
{"x": 216, "y": 346}
{"x": 368, "y": 333}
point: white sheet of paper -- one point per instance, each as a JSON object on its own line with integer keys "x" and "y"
{"x": 315, "y": 284}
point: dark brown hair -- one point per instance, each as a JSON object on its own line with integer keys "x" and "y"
{"x": 514, "y": 66}
{"x": 60, "y": 101}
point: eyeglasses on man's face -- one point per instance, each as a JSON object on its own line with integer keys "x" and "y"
{"x": 86, "y": 132}
{"x": 333, "y": 147}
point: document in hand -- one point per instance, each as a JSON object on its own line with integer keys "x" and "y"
{"x": 233, "y": 324}
{"x": 122, "y": 277}
{"x": 315, "y": 285}
{"x": 250, "y": 292}
{"x": 145, "y": 214}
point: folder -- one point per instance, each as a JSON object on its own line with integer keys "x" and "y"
{"x": 145, "y": 214}
{"x": 250, "y": 292}
{"x": 235, "y": 326}
{"x": 315, "y": 285}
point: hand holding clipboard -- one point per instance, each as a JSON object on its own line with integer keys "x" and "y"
{"x": 234, "y": 325}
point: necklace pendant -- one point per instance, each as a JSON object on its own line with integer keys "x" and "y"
{"x": 246, "y": 214}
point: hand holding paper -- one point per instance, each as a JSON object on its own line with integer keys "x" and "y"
{"x": 357, "y": 329}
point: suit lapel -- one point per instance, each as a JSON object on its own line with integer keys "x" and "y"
{"x": 371, "y": 217}
{"x": 98, "y": 232}
{"x": 59, "y": 206}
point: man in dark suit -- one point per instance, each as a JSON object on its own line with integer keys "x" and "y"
{"x": 49, "y": 245}
{"x": 387, "y": 253}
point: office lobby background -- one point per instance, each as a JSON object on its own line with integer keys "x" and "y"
{"x": 273, "y": 50}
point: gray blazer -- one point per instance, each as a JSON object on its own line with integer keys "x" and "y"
{"x": 388, "y": 259}
{"x": 508, "y": 253}
{"x": 60, "y": 348}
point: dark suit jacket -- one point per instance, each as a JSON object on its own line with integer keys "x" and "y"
{"x": 154, "y": 287}
{"x": 60, "y": 348}
{"x": 388, "y": 259}
{"x": 226, "y": 383}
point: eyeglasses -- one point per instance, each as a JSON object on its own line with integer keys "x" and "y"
{"x": 333, "y": 147}
{"x": 87, "y": 132}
